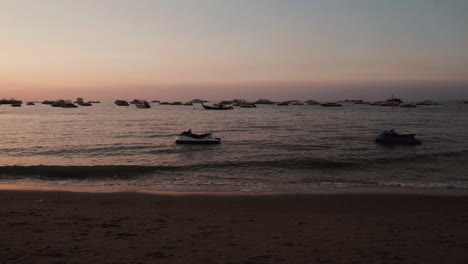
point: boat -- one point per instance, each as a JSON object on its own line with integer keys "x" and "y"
{"x": 264, "y": 101}
{"x": 79, "y": 100}
{"x": 392, "y": 102}
{"x": 64, "y": 104}
{"x": 16, "y": 104}
{"x": 297, "y": 103}
{"x": 136, "y": 101}
{"x": 392, "y": 137}
{"x": 121, "y": 103}
{"x": 408, "y": 105}
{"x": 10, "y": 101}
{"x": 187, "y": 137}
{"x": 331, "y": 105}
{"x": 312, "y": 102}
{"x": 48, "y": 102}
{"x": 69, "y": 105}
{"x": 30, "y": 103}
{"x": 217, "y": 107}
{"x": 144, "y": 104}
{"x": 283, "y": 103}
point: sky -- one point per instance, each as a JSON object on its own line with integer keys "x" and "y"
{"x": 218, "y": 49}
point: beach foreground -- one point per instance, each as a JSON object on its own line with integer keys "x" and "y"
{"x": 324, "y": 227}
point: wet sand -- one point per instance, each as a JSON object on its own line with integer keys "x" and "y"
{"x": 371, "y": 226}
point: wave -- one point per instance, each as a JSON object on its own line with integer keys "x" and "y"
{"x": 260, "y": 165}
{"x": 423, "y": 157}
{"x": 129, "y": 171}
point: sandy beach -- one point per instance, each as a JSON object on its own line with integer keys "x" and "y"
{"x": 373, "y": 226}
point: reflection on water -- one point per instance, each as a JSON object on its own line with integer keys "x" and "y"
{"x": 268, "y": 148}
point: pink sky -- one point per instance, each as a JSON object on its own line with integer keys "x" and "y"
{"x": 216, "y": 49}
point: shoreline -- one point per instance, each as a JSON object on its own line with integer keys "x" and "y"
{"x": 330, "y": 191}
{"x": 323, "y": 227}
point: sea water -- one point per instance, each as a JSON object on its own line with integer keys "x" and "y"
{"x": 265, "y": 149}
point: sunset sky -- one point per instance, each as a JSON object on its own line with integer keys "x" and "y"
{"x": 215, "y": 49}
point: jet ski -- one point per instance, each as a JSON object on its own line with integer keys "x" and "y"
{"x": 187, "y": 137}
{"x": 392, "y": 137}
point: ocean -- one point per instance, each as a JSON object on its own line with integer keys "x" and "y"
{"x": 107, "y": 148}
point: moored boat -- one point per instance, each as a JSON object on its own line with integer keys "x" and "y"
{"x": 331, "y": 105}
{"x": 312, "y": 102}
{"x": 64, "y": 104}
{"x": 121, "y": 103}
{"x": 217, "y": 107}
{"x": 144, "y": 104}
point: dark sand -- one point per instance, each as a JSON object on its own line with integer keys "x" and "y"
{"x": 342, "y": 227}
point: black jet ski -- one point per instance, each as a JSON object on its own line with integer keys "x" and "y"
{"x": 187, "y": 137}
{"x": 392, "y": 137}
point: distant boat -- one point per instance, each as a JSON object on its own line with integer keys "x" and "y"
{"x": 64, "y": 104}
{"x": 331, "y": 105}
{"x": 283, "y": 103}
{"x": 392, "y": 102}
{"x": 248, "y": 105}
{"x": 16, "y": 104}
{"x": 264, "y": 101}
{"x": 217, "y": 107}
{"x": 312, "y": 102}
{"x": 188, "y": 103}
{"x": 389, "y": 104}
{"x": 297, "y": 103}
{"x": 30, "y": 103}
{"x": 136, "y": 101}
{"x": 361, "y": 102}
{"x": 121, "y": 103}
{"x": 10, "y": 101}
{"x": 69, "y": 105}
{"x": 144, "y": 104}
{"x": 79, "y": 100}
{"x": 48, "y": 102}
